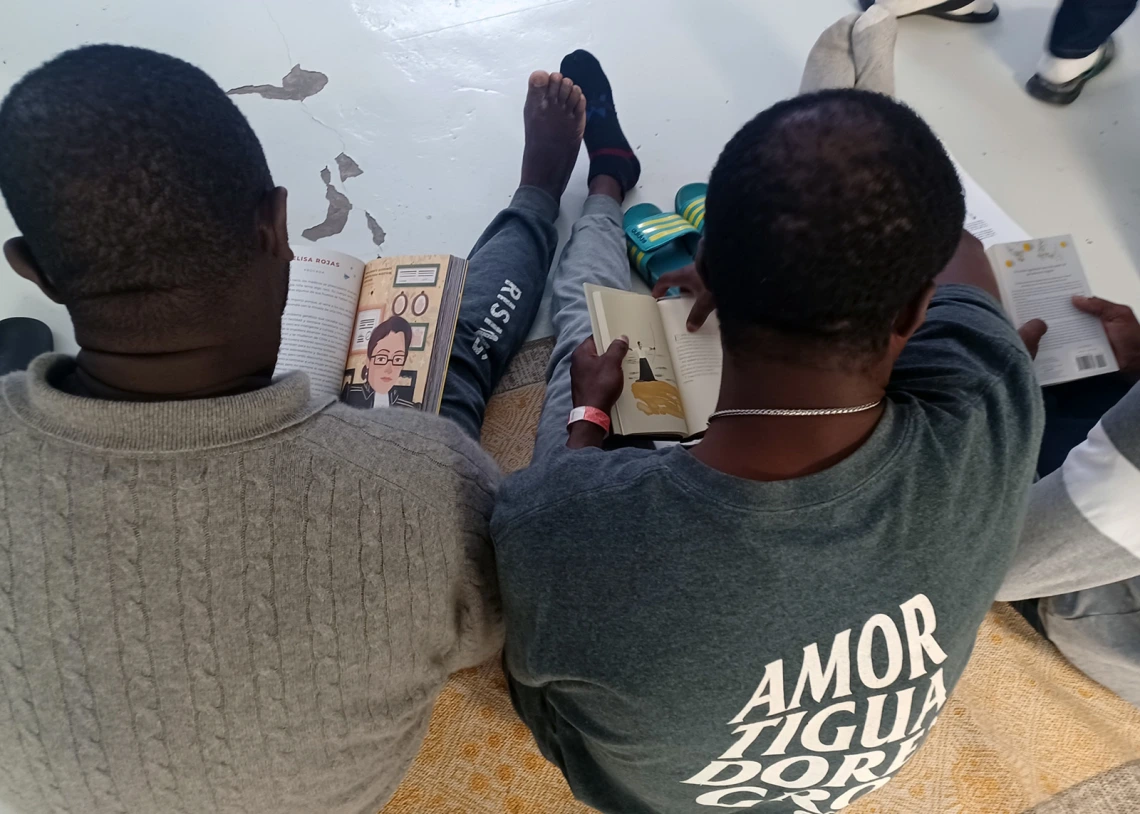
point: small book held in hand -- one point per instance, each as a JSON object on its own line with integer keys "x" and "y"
{"x": 375, "y": 334}
{"x": 1038, "y": 280}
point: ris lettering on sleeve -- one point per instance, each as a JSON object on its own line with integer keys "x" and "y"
{"x": 499, "y": 314}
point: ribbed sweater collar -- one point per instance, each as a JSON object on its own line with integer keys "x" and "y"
{"x": 166, "y": 426}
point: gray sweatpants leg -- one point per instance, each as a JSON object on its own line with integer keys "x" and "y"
{"x": 596, "y": 254}
{"x": 1098, "y": 630}
{"x": 506, "y": 274}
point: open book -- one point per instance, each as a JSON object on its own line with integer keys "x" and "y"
{"x": 1038, "y": 279}
{"x": 672, "y": 376}
{"x": 374, "y": 335}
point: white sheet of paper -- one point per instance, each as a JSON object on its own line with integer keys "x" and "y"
{"x": 1039, "y": 279}
{"x": 985, "y": 220}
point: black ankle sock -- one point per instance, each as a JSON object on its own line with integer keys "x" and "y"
{"x": 610, "y": 153}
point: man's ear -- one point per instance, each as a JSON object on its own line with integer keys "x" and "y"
{"x": 912, "y": 316}
{"x": 21, "y": 259}
{"x": 272, "y": 226}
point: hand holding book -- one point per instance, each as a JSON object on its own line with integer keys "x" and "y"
{"x": 1042, "y": 283}
{"x": 1031, "y": 334}
{"x": 596, "y": 380}
{"x": 1122, "y": 328}
{"x": 1119, "y": 323}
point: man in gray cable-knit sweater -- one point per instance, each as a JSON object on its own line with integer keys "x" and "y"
{"x": 218, "y": 592}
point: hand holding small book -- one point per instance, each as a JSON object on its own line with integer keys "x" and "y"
{"x": 1120, "y": 324}
{"x": 1031, "y": 334}
{"x": 1123, "y": 331}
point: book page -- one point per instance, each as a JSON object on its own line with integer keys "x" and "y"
{"x": 1038, "y": 279}
{"x": 697, "y": 360}
{"x": 404, "y": 326}
{"x": 315, "y": 330}
{"x": 985, "y": 220}
{"x": 650, "y": 403}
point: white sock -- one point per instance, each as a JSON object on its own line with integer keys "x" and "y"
{"x": 873, "y": 48}
{"x": 904, "y": 7}
{"x": 830, "y": 63}
{"x": 1059, "y": 71}
{"x": 977, "y": 7}
{"x": 855, "y": 52}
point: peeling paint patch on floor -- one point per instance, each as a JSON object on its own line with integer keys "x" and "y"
{"x": 348, "y": 167}
{"x": 378, "y": 234}
{"x": 296, "y": 86}
{"x": 337, "y": 215}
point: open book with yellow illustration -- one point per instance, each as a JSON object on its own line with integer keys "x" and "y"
{"x": 672, "y": 376}
{"x": 375, "y": 335}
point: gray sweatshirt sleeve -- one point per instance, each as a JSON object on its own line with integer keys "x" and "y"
{"x": 475, "y": 590}
{"x": 1083, "y": 527}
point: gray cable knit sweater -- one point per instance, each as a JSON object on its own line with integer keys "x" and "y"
{"x": 243, "y": 604}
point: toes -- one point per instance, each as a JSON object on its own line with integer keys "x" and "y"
{"x": 574, "y": 97}
{"x": 539, "y": 80}
{"x": 553, "y": 88}
{"x": 580, "y": 106}
{"x": 564, "y": 89}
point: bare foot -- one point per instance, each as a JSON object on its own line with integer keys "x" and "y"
{"x": 555, "y": 121}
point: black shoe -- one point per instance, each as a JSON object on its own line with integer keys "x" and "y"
{"x": 1067, "y": 92}
{"x": 22, "y": 339}
{"x": 942, "y": 11}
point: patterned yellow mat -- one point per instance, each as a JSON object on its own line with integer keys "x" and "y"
{"x": 1023, "y": 731}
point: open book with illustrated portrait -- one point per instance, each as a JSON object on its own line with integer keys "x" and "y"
{"x": 374, "y": 334}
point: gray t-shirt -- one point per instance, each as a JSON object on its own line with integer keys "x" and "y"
{"x": 680, "y": 639}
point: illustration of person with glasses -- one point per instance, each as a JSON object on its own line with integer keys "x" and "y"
{"x": 387, "y": 355}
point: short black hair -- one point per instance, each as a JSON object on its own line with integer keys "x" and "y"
{"x": 826, "y": 215}
{"x": 391, "y": 325}
{"x": 132, "y": 173}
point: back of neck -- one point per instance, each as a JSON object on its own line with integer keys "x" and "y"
{"x": 769, "y": 448}
{"x": 205, "y": 372}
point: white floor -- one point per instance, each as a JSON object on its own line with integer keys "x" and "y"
{"x": 426, "y": 96}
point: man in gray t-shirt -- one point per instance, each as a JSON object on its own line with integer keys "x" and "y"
{"x": 773, "y": 618}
